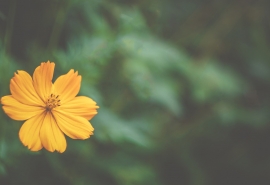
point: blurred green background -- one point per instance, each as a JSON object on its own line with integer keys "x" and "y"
{"x": 183, "y": 88}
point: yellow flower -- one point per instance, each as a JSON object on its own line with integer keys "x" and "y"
{"x": 50, "y": 109}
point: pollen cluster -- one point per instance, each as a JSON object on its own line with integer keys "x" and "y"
{"x": 52, "y": 102}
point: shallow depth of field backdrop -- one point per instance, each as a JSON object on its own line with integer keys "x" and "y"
{"x": 183, "y": 88}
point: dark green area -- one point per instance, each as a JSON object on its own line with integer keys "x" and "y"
{"x": 183, "y": 88}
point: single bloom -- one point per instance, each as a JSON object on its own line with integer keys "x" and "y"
{"x": 51, "y": 110}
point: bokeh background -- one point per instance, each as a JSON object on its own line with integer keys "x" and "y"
{"x": 183, "y": 88}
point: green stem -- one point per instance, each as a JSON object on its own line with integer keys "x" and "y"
{"x": 57, "y": 27}
{"x": 10, "y": 23}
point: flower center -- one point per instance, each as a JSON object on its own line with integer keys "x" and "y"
{"x": 52, "y": 102}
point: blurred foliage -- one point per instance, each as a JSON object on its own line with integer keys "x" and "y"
{"x": 183, "y": 89}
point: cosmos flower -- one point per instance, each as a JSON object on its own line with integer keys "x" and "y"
{"x": 51, "y": 110}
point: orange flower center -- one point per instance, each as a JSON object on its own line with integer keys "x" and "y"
{"x": 52, "y": 102}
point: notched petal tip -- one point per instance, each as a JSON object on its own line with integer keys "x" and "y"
{"x": 48, "y": 62}
{"x": 42, "y": 79}
{"x": 81, "y": 106}
{"x": 22, "y": 89}
{"x": 75, "y": 127}
{"x": 52, "y": 138}
{"x": 18, "y": 111}
{"x": 68, "y": 85}
{"x": 29, "y": 133}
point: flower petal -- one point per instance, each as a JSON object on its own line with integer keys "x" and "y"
{"x": 80, "y": 106}
{"x": 22, "y": 89}
{"x": 52, "y": 138}
{"x": 75, "y": 127}
{"x": 42, "y": 79}
{"x": 19, "y": 111}
{"x": 29, "y": 132}
{"x": 67, "y": 86}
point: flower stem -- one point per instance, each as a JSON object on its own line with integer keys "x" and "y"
{"x": 9, "y": 28}
{"x": 57, "y": 27}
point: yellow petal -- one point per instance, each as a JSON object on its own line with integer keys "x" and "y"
{"x": 22, "y": 89}
{"x": 80, "y": 106}
{"x": 29, "y": 132}
{"x": 18, "y": 111}
{"x": 75, "y": 127}
{"x": 67, "y": 86}
{"x": 42, "y": 79}
{"x": 52, "y": 138}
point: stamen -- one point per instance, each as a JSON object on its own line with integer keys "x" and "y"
{"x": 52, "y": 102}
